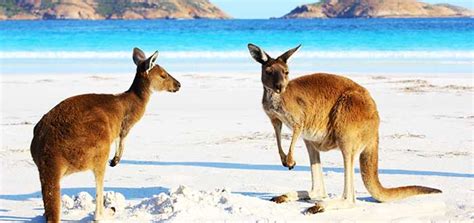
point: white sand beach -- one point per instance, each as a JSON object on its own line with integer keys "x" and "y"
{"x": 208, "y": 152}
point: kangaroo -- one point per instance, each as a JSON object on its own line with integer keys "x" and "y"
{"x": 77, "y": 133}
{"x": 329, "y": 112}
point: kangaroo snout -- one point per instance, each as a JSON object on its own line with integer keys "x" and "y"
{"x": 177, "y": 86}
{"x": 278, "y": 88}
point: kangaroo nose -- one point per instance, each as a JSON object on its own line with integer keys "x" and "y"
{"x": 178, "y": 84}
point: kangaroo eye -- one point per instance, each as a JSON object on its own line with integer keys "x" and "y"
{"x": 286, "y": 72}
{"x": 163, "y": 75}
{"x": 269, "y": 70}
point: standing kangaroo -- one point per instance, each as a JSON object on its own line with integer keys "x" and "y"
{"x": 76, "y": 135}
{"x": 329, "y": 112}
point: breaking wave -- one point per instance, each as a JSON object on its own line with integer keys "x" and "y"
{"x": 242, "y": 54}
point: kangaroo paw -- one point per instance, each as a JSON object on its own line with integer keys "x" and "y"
{"x": 290, "y": 167}
{"x": 290, "y": 163}
{"x": 114, "y": 161}
{"x": 283, "y": 160}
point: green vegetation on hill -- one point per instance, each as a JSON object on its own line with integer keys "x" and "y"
{"x": 47, "y": 4}
{"x": 10, "y": 8}
{"x": 107, "y": 8}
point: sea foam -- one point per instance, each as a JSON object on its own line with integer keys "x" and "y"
{"x": 466, "y": 55}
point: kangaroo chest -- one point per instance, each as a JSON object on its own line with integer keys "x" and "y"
{"x": 274, "y": 107}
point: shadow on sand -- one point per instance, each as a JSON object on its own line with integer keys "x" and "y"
{"x": 22, "y": 219}
{"x": 267, "y": 167}
{"x": 129, "y": 193}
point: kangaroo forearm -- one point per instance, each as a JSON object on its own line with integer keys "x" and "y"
{"x": 277, "y": 127}
{"x": 294, "y": 138}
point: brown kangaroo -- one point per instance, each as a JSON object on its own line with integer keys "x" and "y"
{"x": 77, "y": 133}
{"x": 329, "y": 112}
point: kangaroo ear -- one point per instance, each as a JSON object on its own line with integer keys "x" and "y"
{"x": 150, "y": 62}
{"x": 258, "y": 54}
{"x": 152, "y": 59}
{"x": 138, "y": 56}
{"x": 288, "y": 53}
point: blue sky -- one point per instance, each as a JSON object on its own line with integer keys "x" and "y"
{"x": 276, "y": 8}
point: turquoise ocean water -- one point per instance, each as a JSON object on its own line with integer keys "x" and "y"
{"x": 385, "y": 46}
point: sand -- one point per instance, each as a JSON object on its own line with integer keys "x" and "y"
{"x": 207, "y": 152}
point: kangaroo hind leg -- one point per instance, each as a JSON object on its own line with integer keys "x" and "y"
{"x": 318, "y": 190}
{"x": 99, "y": 172}
{"x": 348, "y": 197}
{"x": 50, "y": 177}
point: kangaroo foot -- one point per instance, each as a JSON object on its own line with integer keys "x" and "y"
{"x": 107, "y": 214}
{"x": 279, "y": 199}
{"x": 317, "y": 208}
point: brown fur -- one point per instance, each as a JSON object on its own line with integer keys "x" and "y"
{"x": 329, "y": 112}
{"x": 77, "y": 133}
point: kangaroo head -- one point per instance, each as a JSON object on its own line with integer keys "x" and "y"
{"x": 159, "y": 79}
{"x": 274, "y": 71}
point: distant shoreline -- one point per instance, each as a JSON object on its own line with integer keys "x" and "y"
{"x": 224, "y": 19}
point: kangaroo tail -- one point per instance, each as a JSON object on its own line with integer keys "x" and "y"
{"x": 369, "y": 170}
